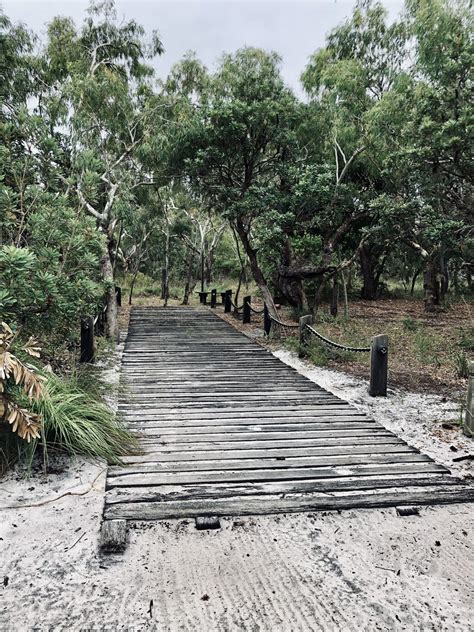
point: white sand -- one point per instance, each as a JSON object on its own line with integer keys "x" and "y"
{"x": 355, "y": 570}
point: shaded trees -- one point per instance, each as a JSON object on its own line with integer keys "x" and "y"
{"x": 238, "y": 144}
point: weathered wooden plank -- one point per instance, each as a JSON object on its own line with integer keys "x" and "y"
{"x": 216, "y": 407}
{"x": 241, "y": 413}
{"x": 347, "y": 429}
{"x": 242, "y": 458}
{"x": 269, "y": 397}
{"x": 165, "y": 493}
{"x": 230, "y": 476}
{"x": 215, "y": 446}
{"x": 198, "y": 394}
{"x": 291, "y": 503}
{"x": 262, "y": 434}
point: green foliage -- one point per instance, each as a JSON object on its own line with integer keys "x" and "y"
{"x": 104, "y": 171}
{"x": 50, "y": 283}
{"x": 466, "y": 341}
{"x": 245, "y": 121}
{"x": 425, "y": 351}
{"x": 77, "y": 423}
{"x": 317, "y": 352}
{"x": 461, "y": 364}
{"x": 410, "y": 324}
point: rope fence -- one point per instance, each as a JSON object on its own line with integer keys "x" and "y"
{"x": 336, "y": 345}
{"x": 378, "y": 354}
{"x": 236, "y": 307}
{"x": 378, "y": 349}
{"x": 256, "y": 311}
{"x": 282, "y": 324}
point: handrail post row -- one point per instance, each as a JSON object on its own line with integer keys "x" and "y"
{"x": 213, "y": 298}
{"x": 228, "y": 302}
{"x": 267, "y": 321}
{"x": 468, "y": 426}
{"x": 87, "y": 339}
{"x": 378, "y": 366}
{"x": 246, "y": 315}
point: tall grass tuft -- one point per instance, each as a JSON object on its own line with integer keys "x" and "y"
{"x": 77, "y": 423}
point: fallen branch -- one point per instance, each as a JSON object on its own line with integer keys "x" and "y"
{"x": 78, "y": 540}
{"x": 52, "y": 500}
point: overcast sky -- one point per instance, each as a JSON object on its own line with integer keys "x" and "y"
{"x": 293, "y": 28}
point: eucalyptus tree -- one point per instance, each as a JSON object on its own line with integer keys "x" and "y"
{"x": 49, "y": 252}
{"x": 201, "y": 239}
{"x": 99, "y": 102}
{"x": 441, "y": 134}
{"x": 18, "y": 165}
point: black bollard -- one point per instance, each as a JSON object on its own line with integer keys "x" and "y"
{"x": 267, "y": 321}
{"x": 87, "y": 339}
{"x": 246, "y": 311}
{"x": 228, "y": 302}
{"x": 379, "y": 366}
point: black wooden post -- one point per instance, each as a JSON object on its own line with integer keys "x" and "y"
{"x": 100, "y": 325}
{"x": 228, "y": 302}
{"x": 202, "y": 270}
{"x": 379, "y": 366}
{"x": 304, "y": 320}
{"x": 203, "y": 297}
{"x": 213, "y": 298}
{"x": 223, "y": 298}
{"x": 118, "y": 294}
{"x": 267, "y": 321}
{"x": 163, "y": 282}
{"x": 246, "y": 311}
{"x": 468, "y": 426}
{"x": 87, "y": 339}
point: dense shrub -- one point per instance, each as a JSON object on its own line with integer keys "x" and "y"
{"x": 46, "y": 286}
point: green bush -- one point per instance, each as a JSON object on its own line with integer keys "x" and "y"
{"x": 46, "y": 286}
{"x": 74, "y": 422}
{"x": 410, "y": 324}
{"x": 461, "y": 364}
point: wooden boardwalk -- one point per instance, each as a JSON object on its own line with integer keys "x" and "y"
{"x": 228, "y": 429}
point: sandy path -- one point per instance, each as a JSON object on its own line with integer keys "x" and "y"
{"x": 370, "y": 570}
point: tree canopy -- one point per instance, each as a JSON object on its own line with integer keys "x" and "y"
{"x": 106, "y": 170}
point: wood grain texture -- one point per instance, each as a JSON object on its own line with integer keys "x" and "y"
{"x": 227, "y": 429}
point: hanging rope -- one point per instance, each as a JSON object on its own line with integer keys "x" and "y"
{"x": 255, "y": 311}
{"x": 282, "y": 324}
{"x": 336, "y": 345}
{"x": 235, "y": 306}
